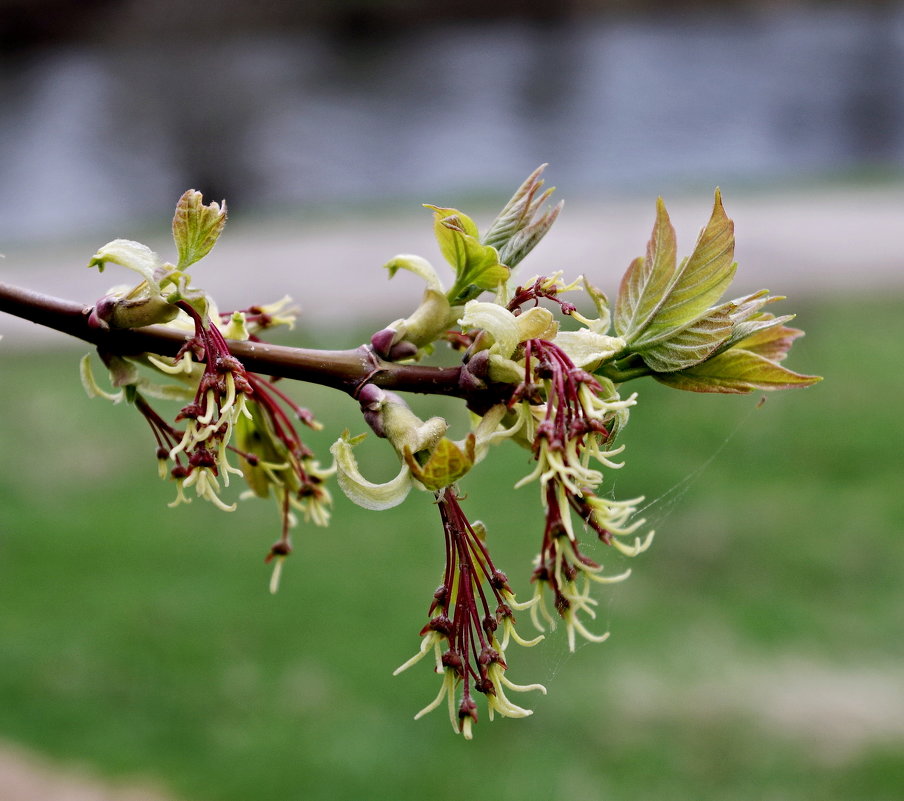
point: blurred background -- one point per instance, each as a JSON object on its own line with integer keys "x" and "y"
{"x": 756, "y": 650}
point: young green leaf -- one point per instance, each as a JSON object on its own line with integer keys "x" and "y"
{"x": 747, "y": 317}
{"x": 450, "y": 226}
{"x": 691, "y": 345}
{"x": 448, "y": 462}
{"x": 735, "y": 371}
{"x": 525, "y": 240}
{"x": 647, "y": 281}
{"x": 773, "y": 341}
{"x": 723, "y": 327}
{"x": 702, "y": 279}
{"x": 476, "y": 266}
{"x": 196, "y": 227}
{"x": 698, "y": 283}
{"x": 519, "y": 211}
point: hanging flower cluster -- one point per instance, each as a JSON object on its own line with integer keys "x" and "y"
{"x": 468, "y": 608}
{"x": 534, "y": 371}
{"x": 235, "y": 423}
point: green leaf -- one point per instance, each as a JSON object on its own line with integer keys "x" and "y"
{"x": 524, "y": 241}
{"x": 736, "y": 371}
{"x": 691, "y": 345}
{"x": 747, "y": 317}
{"x": 656, "y": 301}
{"x": 519, "y": 211}
{"x": 700, "y": 280}
{"x": 520, "y": 226}
{"x": 449, "y": 225}
{"x": 647, "y": 281}
{"x": 477, "y": 266}
{"x": 196, "y": 227}
{"x": 772, "y": 342}
{"x": 483, "y": 268}
{"x": 447, "y": 463}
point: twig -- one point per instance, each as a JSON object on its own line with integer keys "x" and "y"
{"x": 340, "y": 369}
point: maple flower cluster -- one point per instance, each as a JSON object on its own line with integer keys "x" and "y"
{"x": 468, "y": 608}
{"x": 534, "y": 369}
{"x": 236, "y": 423}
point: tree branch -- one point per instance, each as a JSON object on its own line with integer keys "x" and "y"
{"x": 340, "y": 369}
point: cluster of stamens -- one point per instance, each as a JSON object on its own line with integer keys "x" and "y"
{"x": 236, "y": 413}
{"x": 572, "y": 425}
{"x": 468, "y": 609}
{"x": 200, "y": 457}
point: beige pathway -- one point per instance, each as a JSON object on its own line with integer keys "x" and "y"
{"x": 27, "y": 777}
{"x": 794, "y": 242}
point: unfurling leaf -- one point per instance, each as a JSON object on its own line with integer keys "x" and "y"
{"x": 132, "y": 255}
{"x": 446, "y": 464}
{"x": 646, "y": 282}
{"x": 747, "y": 317}
{"x": 518, "y": 212}
{"x": 735, "y": 371}
{"x": 447, "y": 223}
{"x": 196, "y": 227}
{"x": 417, "y": 265}
{"x": 523, "y": 242}
{"x": 692, "y": 345}
{"x": 357, "y": 488}
{"x": 656, "y": 300}
{"x": 772, "y": 342}
{"x": 517, "y": 229}
{"x": 477, "y": 266}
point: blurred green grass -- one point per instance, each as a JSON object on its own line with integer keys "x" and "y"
{"x": 142, "y": 640}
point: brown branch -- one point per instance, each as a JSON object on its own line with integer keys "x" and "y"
{"x": 340, "y": 369}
